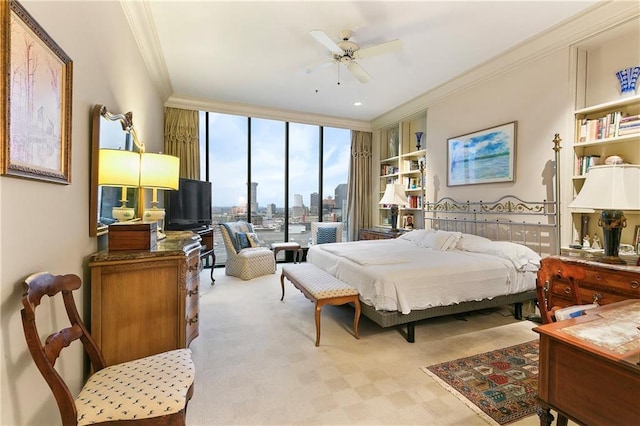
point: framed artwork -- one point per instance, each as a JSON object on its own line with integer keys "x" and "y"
{"x": 485, "y": 156}
{"x": 36, "y": 100}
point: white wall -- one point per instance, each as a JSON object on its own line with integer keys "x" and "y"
{"x": 44, "y": 226}
{"x": 539, "y": 84}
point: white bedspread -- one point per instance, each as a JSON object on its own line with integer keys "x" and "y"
{"x": 396, "y": 275}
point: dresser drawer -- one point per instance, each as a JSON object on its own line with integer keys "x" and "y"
{"x": 614, "y": 283}
{"x": 192, "y": 319}
{"x": 193, "y": 267}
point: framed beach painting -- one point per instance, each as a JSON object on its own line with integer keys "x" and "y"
{"x": 485, "y": 156}
{"x": 36, "y": 100}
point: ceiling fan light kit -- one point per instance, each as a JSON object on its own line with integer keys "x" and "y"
{"x": 346, "y": 52}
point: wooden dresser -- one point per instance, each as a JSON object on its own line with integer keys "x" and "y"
{"x": 565, "y": 281}
{"x": 145, "y": 302}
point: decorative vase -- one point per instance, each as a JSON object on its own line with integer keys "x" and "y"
{"x": 393, "y": 143}
{"x": 628, "y": 78}
{"x": 418, "y": 139}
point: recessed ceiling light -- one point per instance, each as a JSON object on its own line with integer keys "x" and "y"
{"x": 357, "y": 104}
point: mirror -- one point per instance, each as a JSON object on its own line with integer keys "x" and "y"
{"x": 113, "y": 131}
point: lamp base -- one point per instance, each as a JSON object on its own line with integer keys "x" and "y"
{"x": 156, "y": 214}
{"x": 123, "y": 214}
{"x": 612, "y": 222}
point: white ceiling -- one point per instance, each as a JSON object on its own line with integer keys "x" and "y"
{"x": 258, "y": 52}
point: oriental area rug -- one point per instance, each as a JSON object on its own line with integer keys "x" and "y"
{"x": 500, "y": 386}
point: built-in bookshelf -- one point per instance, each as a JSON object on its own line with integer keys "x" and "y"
{"x": 603, "y": 131}
{"x": 400, "y": 162}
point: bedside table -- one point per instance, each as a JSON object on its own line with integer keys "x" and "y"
{"x": 379, "y": 234}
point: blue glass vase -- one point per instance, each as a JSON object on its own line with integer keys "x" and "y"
{"x": 418, "y": 139}
{"x": 628, "y": 78}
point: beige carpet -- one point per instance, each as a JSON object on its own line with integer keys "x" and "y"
{"x": 256, "y": 363}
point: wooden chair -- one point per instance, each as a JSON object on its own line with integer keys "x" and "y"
{"x": 149, "y": 391}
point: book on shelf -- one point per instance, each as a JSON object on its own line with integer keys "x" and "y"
{"x": 584, "y": 162}
{"x": 608, "y": 126}
{"x": 415, "y": 201}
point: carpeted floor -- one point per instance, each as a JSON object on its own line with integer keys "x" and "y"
{"x": 501, "y": 384}
{"x": 256, "y": 363}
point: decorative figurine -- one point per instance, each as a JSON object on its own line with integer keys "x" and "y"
{"x": 585, "y": 242}
{"x": 596, "y": 243}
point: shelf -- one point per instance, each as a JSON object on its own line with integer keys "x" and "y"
{"x": 609, "y": 141}
{"x": 608, "y": 105}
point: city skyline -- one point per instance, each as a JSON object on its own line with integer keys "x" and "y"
{"x": 228, "y": 157}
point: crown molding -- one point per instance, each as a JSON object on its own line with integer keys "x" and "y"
{"x": 201, "y": 104}
{"x": 591, "y": 22}
{"x": 138, "y": 15}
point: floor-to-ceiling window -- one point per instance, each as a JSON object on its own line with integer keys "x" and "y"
{"x": 281, "y": 176}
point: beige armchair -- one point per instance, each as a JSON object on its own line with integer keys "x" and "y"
{"x": 245, "y": 260}
{"x": 326, "y": 232}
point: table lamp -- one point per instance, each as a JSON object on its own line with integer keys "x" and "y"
{"x": 119, "y": 168}
{"x": 612, "y": 189}
{"x": 158, "y": 171}
{"x": 394, "y": 195}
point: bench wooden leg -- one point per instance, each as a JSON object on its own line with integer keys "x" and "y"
{"x": 318, "y": 310}
{"x": 356, "y": 317}
{"x": 282, "y": 285}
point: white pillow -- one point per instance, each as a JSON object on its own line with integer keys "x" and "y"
{"x": 522, "y": 257}
{"x": 469, "y": 241}
{"x": 440, "y": 240}
{"x": 415, "y": 236}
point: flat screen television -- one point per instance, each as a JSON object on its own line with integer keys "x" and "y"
{"x": 189, "y": 207}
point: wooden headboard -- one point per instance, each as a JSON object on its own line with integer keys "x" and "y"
{"x": 531, "y": 223}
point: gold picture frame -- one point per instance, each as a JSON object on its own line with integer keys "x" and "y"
{"x": 36, "y": 100}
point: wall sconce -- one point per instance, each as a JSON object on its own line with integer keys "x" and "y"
{"x": 394, "y": 195}
{"x": 158, "y": 171}
{"x": 119, "y": 168}
{"x": 610, "y": 188}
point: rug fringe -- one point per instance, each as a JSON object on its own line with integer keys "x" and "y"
{"x": 461, "y": 397}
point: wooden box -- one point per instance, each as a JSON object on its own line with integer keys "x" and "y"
{"x": 133, "y": 236}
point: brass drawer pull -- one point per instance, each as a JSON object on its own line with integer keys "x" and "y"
{"x": 193, "y": 320}
{"x": 634, "y": 284}
{"x": 596, "y": 298}
{"x": 567, "y": 290}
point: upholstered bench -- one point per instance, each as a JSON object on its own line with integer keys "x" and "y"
{"x": 289, "y": 246}
{"x": 321, "y": 288}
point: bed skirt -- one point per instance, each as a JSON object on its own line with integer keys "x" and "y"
{"x": 393, "y": 318}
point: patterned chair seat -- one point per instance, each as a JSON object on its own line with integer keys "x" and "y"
{"x": 137, "y": 389}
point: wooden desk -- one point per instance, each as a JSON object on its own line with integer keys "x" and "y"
{"x": 589, "y": 378}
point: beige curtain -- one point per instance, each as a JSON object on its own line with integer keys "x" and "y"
{"x": 181, "y": 139}
{"x": 360, "y": 188}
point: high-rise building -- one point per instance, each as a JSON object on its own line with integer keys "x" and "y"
{"x": 254, "y": 194}
{"x": 315, "y": 203}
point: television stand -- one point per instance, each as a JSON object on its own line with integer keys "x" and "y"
{"x": 206, "y": 235}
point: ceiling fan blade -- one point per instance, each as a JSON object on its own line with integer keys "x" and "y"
{"x": 378, "y": 49}
{"x": 326, "y": 41}
{"x": 358, "y": 72}
{"x": 319, "y": 67}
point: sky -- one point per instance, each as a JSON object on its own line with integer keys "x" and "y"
{"x": 228, "y": 159}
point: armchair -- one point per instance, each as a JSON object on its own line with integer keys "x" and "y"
{"x": 245, "y": 260}
{"x": 326, "y": 232}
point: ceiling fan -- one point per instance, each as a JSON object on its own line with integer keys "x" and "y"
{"x": 346, "y": 52}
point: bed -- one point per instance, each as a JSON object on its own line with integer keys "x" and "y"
{"x": 471, "y": 256}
